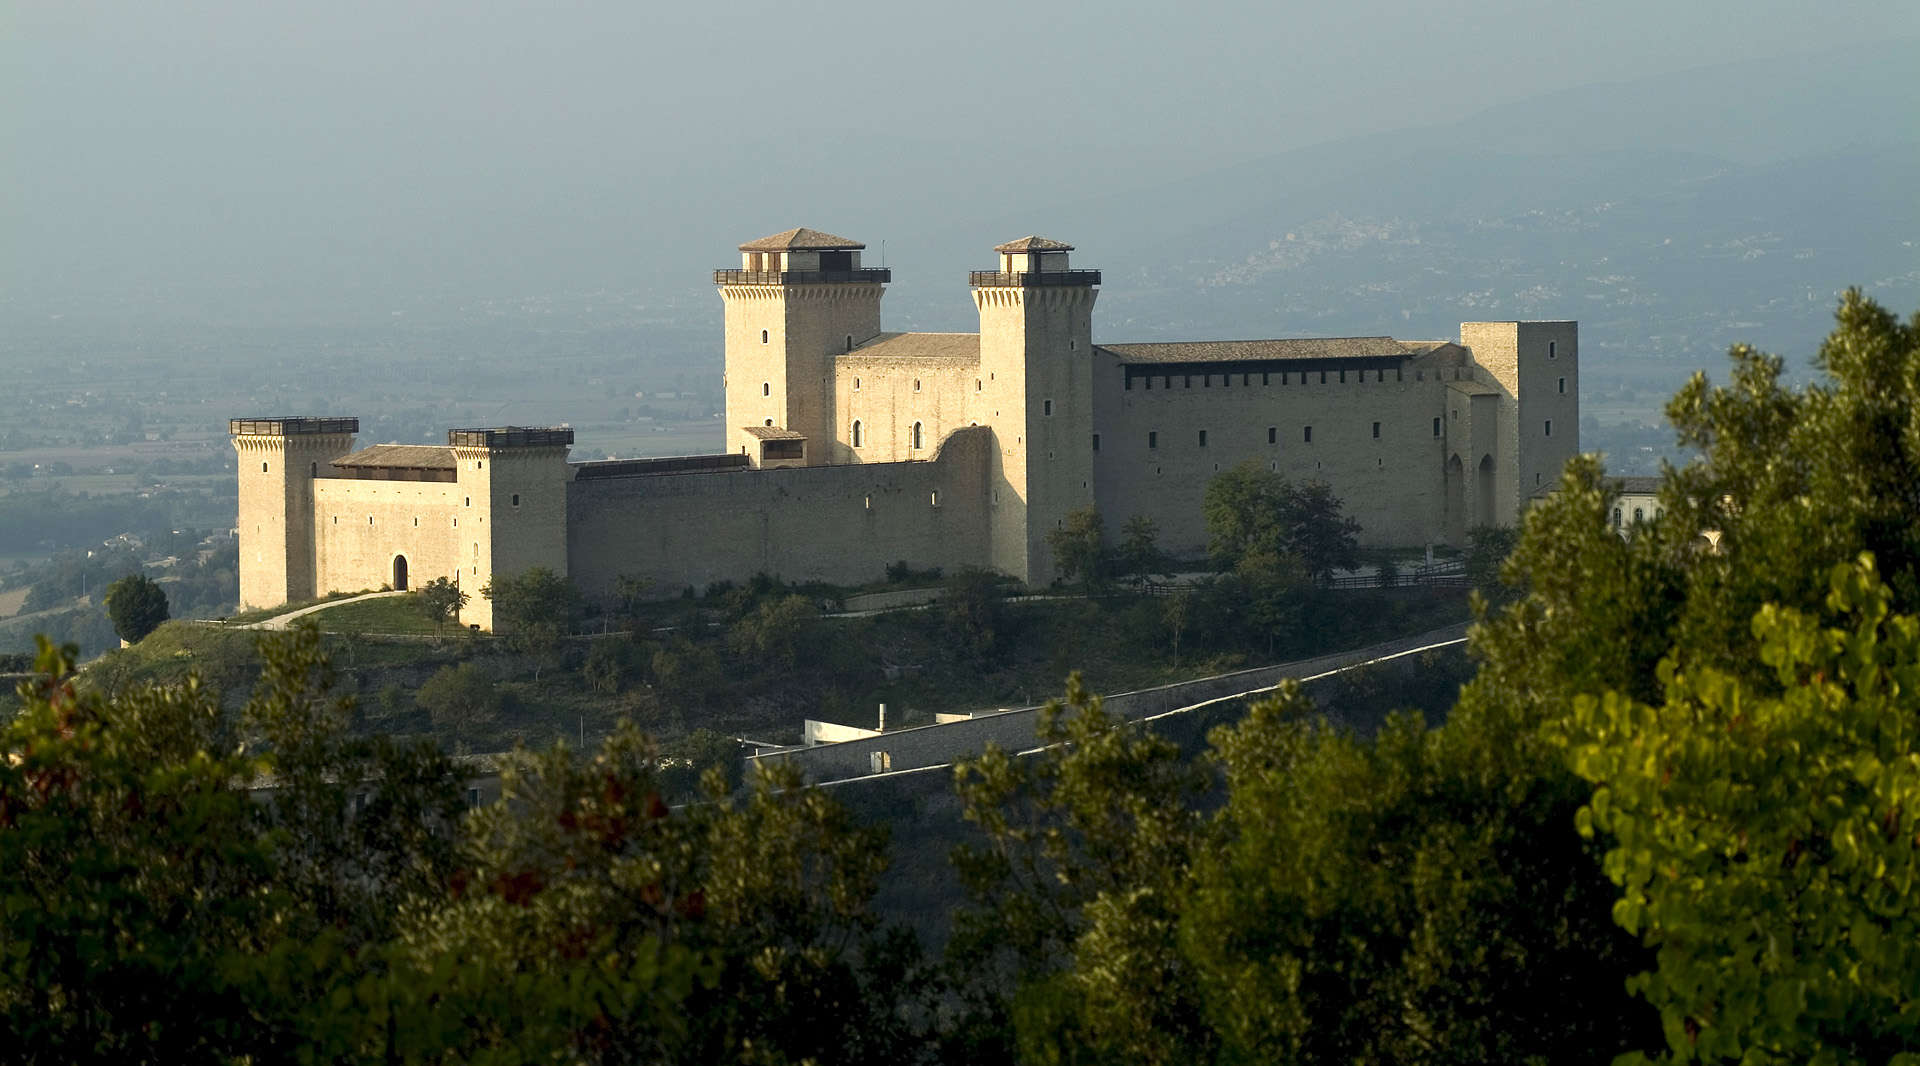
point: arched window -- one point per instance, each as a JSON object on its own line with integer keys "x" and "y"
{"x": 849, "y": 342}
{"x": 263, "y": 468}
{"x": 916, "y": 435}
{"x": 857, "y": 436}
{"x": 1639, "y": 514}
{"x": 763, "y": 336}
{"x": 1616, "y": 518}
{"x": 766, "y": 388}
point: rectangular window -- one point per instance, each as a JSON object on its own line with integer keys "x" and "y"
{"x": 1563, "y": 386}
{"x": 1206, "y": 381}
{"x": 1549, "y": 427}
{"x": 1307, "y": 436}
{"x": 1186, "y": 381}
{"x": 1436, "y": 425}
{"x": 1264, "y": 379}
{"x": 1096, "y": 442}
{"x": 1343, "y": 377}
{"x": 1273, "y": 434}
{"x": 1376, "y": 431}
{"x": 1323, "y": 377}
{"x": 1149, "y": 384}
{"x": 1203, "y": 438}
{"x": 1551, "y": 354}
{"x": 1046, "y": 407}
{"x": 1153, "y": 439}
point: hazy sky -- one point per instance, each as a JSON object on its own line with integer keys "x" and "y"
{"x": 350, "y": 146}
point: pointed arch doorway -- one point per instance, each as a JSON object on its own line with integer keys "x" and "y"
{"x": 400, "y": 573}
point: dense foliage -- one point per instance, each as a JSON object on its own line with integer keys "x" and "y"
{"x": 137, "y": 605}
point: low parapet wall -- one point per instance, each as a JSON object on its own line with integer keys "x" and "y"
{"x": 935, "y": 745}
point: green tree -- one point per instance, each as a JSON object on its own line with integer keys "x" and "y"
{"x": 1253, "y": 512}
{"x": 441, "y": 601}
{"x": 608, "y": 665}
{"x": 460, "y": 699}
{"x": 1069, "y": 947}
{"x": 1077, "y": 551}
{"x": 776, "y": 632}
{"x": 137, "y": 605}
{"x": 1763, "y": 836}
{"x": 1139, "y": 556}
{"x": 1487, "y": 548}
{"x": 974, "y": 612}
{"x": 534, "y": 611}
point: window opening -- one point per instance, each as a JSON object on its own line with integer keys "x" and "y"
{"x": 1376, "y": 431}
{"x": 1563, "y": 386}
{"x": 1551, "y": 354}
{"x": 763, "y": 336}
{"x": 1308, "y": 435}
{"x": 1203, "y": 438}
{"x": 1549, "y": 428}
{"x": 916, "y": 435}
{"x": 1153, "y": 439}
{"x": 1436, "y": 425}
{"x": 1046, "y": 407}
{"x": 856, "y": 433}
{"x": 1273, "y": 434}
{"x": 516, "y": 499}
{"x": 1096, "y": 442}
{"x": 916, "y": 384}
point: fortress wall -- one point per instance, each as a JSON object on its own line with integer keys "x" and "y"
{"x": 887, "y": 406}
{"x": 352, "y": 553}
{"x": 1393, "y": 485}
{"x": 829, "y": 523}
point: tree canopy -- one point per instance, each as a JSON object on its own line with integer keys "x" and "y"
{"x": 137, "y": 605}
{"x": 1257, "y": 516}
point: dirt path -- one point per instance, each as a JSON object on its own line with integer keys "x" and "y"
{"x": 282, "y": 620}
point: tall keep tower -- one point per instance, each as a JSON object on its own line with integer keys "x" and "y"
{"x": 1036, "y": 356}
{"x": 799, "y": 298}
{"x": 279, "y": 460}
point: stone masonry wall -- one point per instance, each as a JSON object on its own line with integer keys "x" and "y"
{"x": 834, "y": 523}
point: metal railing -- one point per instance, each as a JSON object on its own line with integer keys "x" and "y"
{"x": 863, "y": 276}
{"x": 1024, "y": 278}
{"x": 280, "y": 427}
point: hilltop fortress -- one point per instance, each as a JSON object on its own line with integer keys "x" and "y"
{"x": 849, "y": 447}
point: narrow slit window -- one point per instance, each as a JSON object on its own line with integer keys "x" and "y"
{"x": 858, "y": 438}
{"x": 1273, "y": 434}
{"x": 1307, "y": 435}
{"x": 763, "y": 336}
{"x": 766, "y": 388}
{"x": 1046, "y": 407}
{"x": 916, "y": 435}
{"x": 1552, "y": 353}
{"x": 1549, "y": 428}
{"x": 1096, "y": 442}
{"x": 1436, "y": 425}
{"x": 1563, "y": 386}
{"x": 1203, "y": 438}
{"x": 1153, "y": 439}
{"x": 1376, "y": 431}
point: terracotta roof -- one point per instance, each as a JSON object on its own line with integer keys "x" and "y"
{"x": 774, "y": 433}
{"x": 942, "y": 347}
{"x": 1263, "y": 351}
{"x": 402, "y": 456}
{"x": 802, "y": 239}
{"x": 1033, "y": 244}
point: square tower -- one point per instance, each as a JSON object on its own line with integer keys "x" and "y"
{"x": 513, "y": 479}
{"x": 279, "y": 460}
{"x": 1036, "y": 365}
{"x": 1536, "y": 368}
{"x": 799, "y": 298}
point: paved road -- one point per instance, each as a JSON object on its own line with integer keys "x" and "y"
{"x": 281, "y": 621}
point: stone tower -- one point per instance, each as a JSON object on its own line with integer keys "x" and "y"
{"x": 514, "y": 478}
{"x": 1036, "y": 355}
{"x": 799, "y": 298}
{"x": 1536, "y": 368}
{"x": 279, "y": 460}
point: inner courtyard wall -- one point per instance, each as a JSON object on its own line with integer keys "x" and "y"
{"x": 892, "y": 394}
{"x": 842, "y": 524}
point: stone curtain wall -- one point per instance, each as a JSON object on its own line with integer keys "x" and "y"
{"x": 832, "y": 523}
{"x": 887, "y": 405}
{"x": 410, "y": 518}
{"x": 1393, "y": 485}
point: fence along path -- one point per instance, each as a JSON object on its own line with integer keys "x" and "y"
{"x": 931, "y": 747}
